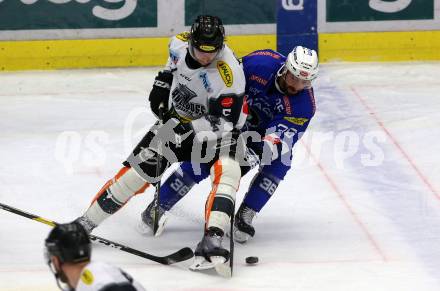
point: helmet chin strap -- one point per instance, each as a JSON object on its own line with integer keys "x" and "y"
{"x": 191, "y": 51}
{"x": 191, "y": 61}
{"x": 280, "y": 74}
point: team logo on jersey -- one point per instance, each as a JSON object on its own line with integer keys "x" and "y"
{"x": 185, "y": 77}
{"x": 296, "y": 120}
{"x": 258, "y": 79}
{"x": 227, "y": 102}
{"x": 184, "y": 36}
{"x": 87, "y": 277}
{"x": 226, "y": 73}
{"x": 182, "y": 96}
{"x": 204, "y": 77}
{"x": 174, "y": 56}
{"x": 254, "y": 90}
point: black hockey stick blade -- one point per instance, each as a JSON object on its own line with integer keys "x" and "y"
{"x": 179, "y": 256}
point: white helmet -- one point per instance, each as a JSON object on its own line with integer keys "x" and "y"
{"x": 303, "y": 63}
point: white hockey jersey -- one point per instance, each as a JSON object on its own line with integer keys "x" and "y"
{"x": 98, "y": 276}
{"x": 216, "y": 90}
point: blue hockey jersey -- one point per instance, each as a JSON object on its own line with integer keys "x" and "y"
{"x": 278, "y": 118}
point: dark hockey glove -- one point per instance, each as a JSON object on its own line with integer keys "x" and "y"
{"x": 184, "y": 133}
{"x": 161, "y": 91}
{"x": 183, "y": 129}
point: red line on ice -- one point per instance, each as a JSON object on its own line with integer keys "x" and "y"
{"x": 373, "y": 114}
{"x": 346, "y": 204}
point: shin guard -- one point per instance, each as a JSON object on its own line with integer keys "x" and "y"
{"x": 225, "y": 176}
{"x": 114, "y": 194}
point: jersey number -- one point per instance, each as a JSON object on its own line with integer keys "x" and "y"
{"x": 178, "y": 186}
{"x": 268, "y": 186}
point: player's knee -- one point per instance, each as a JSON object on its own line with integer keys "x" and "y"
{"x": 227, "y": 173}
{"x": 146, "y": 165}
{"x": 127, "y": 185}
{"x": 115, "y": 194}
{"x": 194, "y": 172}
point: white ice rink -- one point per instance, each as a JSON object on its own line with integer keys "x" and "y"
{"x": 360, "y": 210}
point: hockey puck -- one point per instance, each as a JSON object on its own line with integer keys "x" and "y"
{"x": 251, "y": 260}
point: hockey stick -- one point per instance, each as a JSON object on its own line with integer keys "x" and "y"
{"x": 226, "y": 270}
{"x": 179, "y": 256}
{"x": 231, "y": 242}
{"x": 156, "y": 200}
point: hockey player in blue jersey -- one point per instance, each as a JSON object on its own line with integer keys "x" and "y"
{"x": 281, "y": 105}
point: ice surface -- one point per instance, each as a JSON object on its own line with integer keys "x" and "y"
{"x": 360, "y": 210}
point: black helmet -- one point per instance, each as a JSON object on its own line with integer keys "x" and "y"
{"x": 207, "y": 33}
{"x": 69, "y": 242}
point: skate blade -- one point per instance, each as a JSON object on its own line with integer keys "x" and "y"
{"x": 224, "y": 270}
{"x": 221, "y": 266}
{"x": 218, "y": 263}
{"x": 241, "y": 237}
{"x": 161, "y": 225}
{"x": 144, "y": 229}
{"x": 217, "y": 260}
{"x": 200, "y": 263}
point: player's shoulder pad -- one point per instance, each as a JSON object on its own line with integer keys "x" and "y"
{"x": 183, "y": 36}
{"x": 305, "y": 108}
{"x": 267, "y": 53}
{"x": 264, "y": 60}
{"x": 305, "y": 103}
{"x": 261, "y": 67}
{"x": 177, "y": 47}
{"x": 87, "y": 276}
{"x": 179, "y": 40}
{"x": 97, "y": 274}
{"x": 311, "y": 96}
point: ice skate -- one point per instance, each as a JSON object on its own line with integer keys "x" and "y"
{"x": 88, "y": 224}
{"x": 146, "y": 224}
{"x": 243, "y": 229}
{"x": 209, "y": 252}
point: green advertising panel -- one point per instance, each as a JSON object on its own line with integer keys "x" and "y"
{"x": 374, "y": 10}
{"x": 232, "y": 11}
{"x": 68, "y": 14}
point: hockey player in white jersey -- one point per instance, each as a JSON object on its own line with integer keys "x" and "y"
{"x": 202, "y": 90}
{"x": 68, "y": 253}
